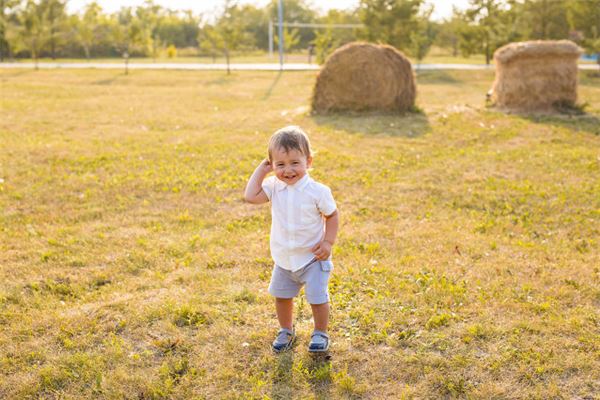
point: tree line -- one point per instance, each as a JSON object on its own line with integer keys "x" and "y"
{"x": 44, "y": 28}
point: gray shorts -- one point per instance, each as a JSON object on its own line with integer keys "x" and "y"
{"x": 286, "y": 284}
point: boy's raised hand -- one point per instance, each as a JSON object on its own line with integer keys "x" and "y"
{"x": 266, "y": 166}
{"x": 322, "y": 250}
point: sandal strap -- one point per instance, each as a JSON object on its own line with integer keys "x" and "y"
{"x": 285, "y": 330}
{"x": 322, "y": 334}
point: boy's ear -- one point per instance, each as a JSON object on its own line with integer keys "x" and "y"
{"x": 309, "y": 161}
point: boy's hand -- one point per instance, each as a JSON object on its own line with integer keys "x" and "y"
{"x": 322, "y": 250}
{"x": 266, "y": 166}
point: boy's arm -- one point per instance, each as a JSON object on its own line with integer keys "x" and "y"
{"x": 254, "y": 192}
{"x": 323, "y": 249}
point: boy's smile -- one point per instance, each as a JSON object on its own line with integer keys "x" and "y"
{"x": 290, "y": 166}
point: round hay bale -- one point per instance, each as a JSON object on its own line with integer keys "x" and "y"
{"x": 364, "y": 76}
{"x": 536, "y": 75}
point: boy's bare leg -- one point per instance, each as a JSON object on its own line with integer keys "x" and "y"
{"x": 321, "y": 316}
{"x": 285, "y": 310}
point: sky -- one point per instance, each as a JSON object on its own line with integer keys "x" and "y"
{"x": 442, "y": 8}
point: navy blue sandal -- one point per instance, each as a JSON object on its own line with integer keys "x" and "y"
{"x": 284, "y": 340}
{"x": 319, "y": 342}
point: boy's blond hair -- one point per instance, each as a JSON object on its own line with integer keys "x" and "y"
{"x": 290, "y": 138}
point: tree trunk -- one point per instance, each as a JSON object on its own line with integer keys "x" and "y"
{"x": 34, "y": 54}
{"x": 227, "y": 61}
{"x": 52, "y": 44}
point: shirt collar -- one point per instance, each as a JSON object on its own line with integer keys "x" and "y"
{"x": 300, "y": 185}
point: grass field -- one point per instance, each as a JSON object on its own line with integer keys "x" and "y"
{"x": 467, "y": 264}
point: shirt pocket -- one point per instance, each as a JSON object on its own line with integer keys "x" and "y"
{"x": 309, "y": 214}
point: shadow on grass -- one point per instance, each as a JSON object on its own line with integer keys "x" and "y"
{"x": 108, "y": 81}
{"x": 320, "y": 371}
{"x": 590, "y": 78}
{"x": 589, "y": 123}
{"x": 283, "y": 387}
{"x": 222, "y": 80}
{"x": 15, "y": 73}
{"x": 270, "y": 89}
{"x": 376, "y": 123}
{"x": 435, "y": 76}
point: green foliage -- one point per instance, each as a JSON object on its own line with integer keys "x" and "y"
{"x": 544, "y": 19}
{"x": 325, "y": 44}
{"x": 422, "y": 37}
{"x": 437, "y": 321}
{"x": 295, "y": 11}
{"x": 40, "y": 28}
{"x": 389, "y": 21}
{"x": 127, "y": 33}
{"x": 489, "y": 25}
{"x": 189, "y": 315}
{"x": 291, "y": 39}
{"x": 227, "y": 34}
{"x": 329, "y": 39}
{"x": 584, "y": 19}
{"x": 86, "y": 28}
{"x": 171, "y": 51}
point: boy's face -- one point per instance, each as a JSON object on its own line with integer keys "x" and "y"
{"x": 289, "y": 166}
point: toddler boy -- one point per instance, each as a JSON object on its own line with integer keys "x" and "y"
{"x": 303, "y": 230}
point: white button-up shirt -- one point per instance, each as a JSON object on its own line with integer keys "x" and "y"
{"x": 298, "y": 221}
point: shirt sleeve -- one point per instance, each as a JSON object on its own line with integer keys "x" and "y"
{"x": 268, "y": 185}
{"x": 326, "y": 203}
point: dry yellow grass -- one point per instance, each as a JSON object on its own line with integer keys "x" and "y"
{"x": 467, "y": 264}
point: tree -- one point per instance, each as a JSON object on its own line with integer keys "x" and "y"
{"x": 256, "y": 25}
{"x": 328, "y": 39}
{"x": 295, "y": 11}
{"x": 485, "y": 15}
{"x": 126, "y": 34}
{"x": 86, "y": 27}
{"x": 448, "y": 36}
{"x": 33, "y": 34}
{"x": 179, "y": 29}
{"x": 584, "y": 18}
{"x": 389, "y": 21}
{"x": 324, "y": 43}
{"x": 423, "y": 36}
{"x": 227, "y": 34}
{"x": 150, "y": 17}
{"x": 55, "y": 22}
{"x": 6, "y": 23}
{"x": 545, "y": 19}
{"x": 291, "y": 39}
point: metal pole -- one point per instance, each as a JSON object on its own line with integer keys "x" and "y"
{"x": 270, "y": 38}
{"x": 280, "y": 35}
